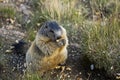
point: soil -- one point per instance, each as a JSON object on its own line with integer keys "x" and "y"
{"x": 76, "y": 67}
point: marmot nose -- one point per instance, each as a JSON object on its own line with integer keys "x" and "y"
{"x": 58, "y": 37}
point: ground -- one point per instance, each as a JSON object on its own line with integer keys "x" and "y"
{"x": 74, "y": 68}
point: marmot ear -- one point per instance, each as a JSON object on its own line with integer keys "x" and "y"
{"x": 44, "y": 24}
{"x": 41, "y": 24}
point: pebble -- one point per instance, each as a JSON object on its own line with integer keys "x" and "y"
{"x": 92, "y": 66}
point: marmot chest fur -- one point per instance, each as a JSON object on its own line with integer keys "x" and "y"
{"x": 48, "y": 49}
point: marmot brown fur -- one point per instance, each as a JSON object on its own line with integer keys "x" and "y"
{"x": 48, "y": 49}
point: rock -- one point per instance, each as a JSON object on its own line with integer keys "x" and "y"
{"x": 92, "y": 66}
{"x": 24, "y": 9}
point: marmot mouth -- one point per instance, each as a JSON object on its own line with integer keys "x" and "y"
{"x": 57, "y": 40}
{"x": 59, "y": 37}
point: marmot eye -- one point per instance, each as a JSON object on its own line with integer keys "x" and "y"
{"x": 46, "y": 26}
{"x": 51, "y": 31}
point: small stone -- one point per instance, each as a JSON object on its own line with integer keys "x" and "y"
{"x": 111, "y": 67}
{"x": 58, "y": 67}
{"x": 8, "y": 51}
{"x": 12, "y": 47}
{"x": 118, "y": 77}
{"x": 69, "y": 69}
{"x": 92, "y": 66}
{"x": 68, "y": 76}
{"x": 80, "y": 73}
{"x": 118, "y": 74}
{"x": 13, "y": 68}
{"x": 17, "y": 41}
{"x": 3, "y": 70}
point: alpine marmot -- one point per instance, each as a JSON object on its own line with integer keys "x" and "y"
{"x": 48, "y": 49}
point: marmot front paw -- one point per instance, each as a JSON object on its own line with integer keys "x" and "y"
{"x": 61, "y": 42}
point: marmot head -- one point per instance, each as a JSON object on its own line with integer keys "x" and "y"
{"x": 51, "y": 30}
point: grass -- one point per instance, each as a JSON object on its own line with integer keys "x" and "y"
{"x": 7, "y": 12}
{"x": 101, "y": 42}
{"x": 101, "y": 45}
{"x": 97, "y": 22}
{"x": 32, "y": 77}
